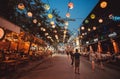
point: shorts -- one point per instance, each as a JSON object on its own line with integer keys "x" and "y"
{"x": 77, "y": 63}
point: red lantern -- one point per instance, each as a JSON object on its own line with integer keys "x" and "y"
{"x": 103, "y": 4}
{"x": 21, "y": 6}
{"x": 68, "y": 15}
{"x": 70, "y": 5}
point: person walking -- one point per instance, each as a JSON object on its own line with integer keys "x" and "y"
{"x": 72, "y": 57}
{"x": 77, "y": 61}
{"x": 92, "y": 57}
{"x": 99, "y": 60}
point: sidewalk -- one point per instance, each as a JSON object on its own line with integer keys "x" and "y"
{"x": 112, "y": 65}
{"x": 25, "y": 68}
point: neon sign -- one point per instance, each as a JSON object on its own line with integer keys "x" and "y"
{"x": 114, "y": 18}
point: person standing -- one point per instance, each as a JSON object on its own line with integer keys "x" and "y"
{"x": 77, "y": 61}
{"x": 99, "y": 60}
{"x": 92, "y": 57}
{"x": 72, "y": 57}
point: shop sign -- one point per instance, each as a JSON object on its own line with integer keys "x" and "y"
{"x": 96, "y": 39}
{"x": 112, "y": 34}
{"x": 1, "y": 33}
{"x": 114, "y": 18}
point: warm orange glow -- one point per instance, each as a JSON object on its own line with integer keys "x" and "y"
{"x": 103, "y": 4}
{"x": 94, "y": 28}
{"x": 70, "y": 5}
{"x": 35, "y": 21}
{"x": 99, "y": 47}
{"x": 82, "y": 27}
{"x": 100, "y": 20}
{"x": 68, "y": 15}
{"x": 115, "y": 46}
{"x": 30, "y": 14}
{"x": 21, "y": 6}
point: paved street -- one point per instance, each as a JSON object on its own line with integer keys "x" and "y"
{"x": 58, "y": 67}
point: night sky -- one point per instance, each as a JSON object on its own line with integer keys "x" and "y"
{"x": 81, "y": 10}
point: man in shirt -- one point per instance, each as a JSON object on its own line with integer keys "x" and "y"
{"x": 77, "y": 61}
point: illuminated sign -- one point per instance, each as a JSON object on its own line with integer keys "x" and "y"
{"x": 96, "y": 39}
{"x": 112, "y": 34}
{"x": 114, "y": 18}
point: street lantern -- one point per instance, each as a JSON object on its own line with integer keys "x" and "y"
{"x": 94, "y": 28}
{"x": 21, "y": 6}
{"x": 47, "y": 7}
{"x": 103, "y": 4}
{"x": 92, "y": 16}
{"x": 68, "y": 15}
{"x": 35, "y": 21}
{"x": 100, "y": 20}
{"x": 50, "y": 16}
{"x": 30, "y": 14}
{"x": 82, "y": 27}
{"x": 70, "y": 5}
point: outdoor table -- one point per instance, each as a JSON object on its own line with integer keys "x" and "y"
{"x": 9, "y": 64}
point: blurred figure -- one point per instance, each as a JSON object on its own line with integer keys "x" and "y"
{"x": 72, "y": 57}
{"x": 77, "y": 61}
{"x": 92, "y": 57}
{"x": 67, "y": 53}
{"x": 99, "y": 60}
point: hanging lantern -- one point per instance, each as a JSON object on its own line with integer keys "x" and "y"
{"x": 100, "y": 20}
{"x": 66, "y": 23}
{"x": 53, "y": 26}
{"x": 30, "y": 14}
{"x": 82, "y": 27}
{"x": 94, "y": 28}
{"x": 55, "y": 31}
{"x": 92, "y": 16}
{"x": 35, "y": 21}
{"x": 21, "y": 6}
{"x": 86, "y": 21}
{"x": 89, "y": 29}
{"x": 39, "y": 24}
{"x": 65, "y": 27}
{"x": 70, "y": 5}
{"x": 103, "y": 4}
{"x": 83, "y": 34}
{"x": 1, "y": 33}
{"x": 46, "y": 34}
{"x": 46, "y": 7}
{"x": 52, "y": 23}
{"x": 44, "y": 29}
{"x": 50, "y": 16}
{"x": 68, "y": 15}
